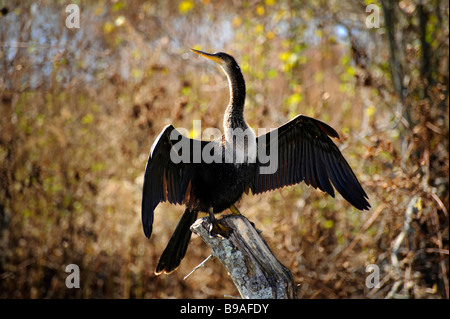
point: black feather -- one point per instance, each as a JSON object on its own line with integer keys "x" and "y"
{"x": 306, "y": 153}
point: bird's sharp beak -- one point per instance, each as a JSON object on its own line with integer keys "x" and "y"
{"x": 210, "y": 56}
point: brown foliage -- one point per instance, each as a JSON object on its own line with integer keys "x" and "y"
{"x": 80, "y": 109}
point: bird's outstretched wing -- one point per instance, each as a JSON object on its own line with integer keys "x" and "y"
{"x": 306, "y": 153}
{"x": 166, "y": 179}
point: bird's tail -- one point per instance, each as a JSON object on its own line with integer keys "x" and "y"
{"x": 178, "y": 243}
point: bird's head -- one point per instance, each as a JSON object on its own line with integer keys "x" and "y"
{"x": 225, "y": 60}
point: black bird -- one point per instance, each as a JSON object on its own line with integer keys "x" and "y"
{"x": 303, "y": 152}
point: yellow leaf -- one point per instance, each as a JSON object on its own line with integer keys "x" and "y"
{"x": 137, "y": 73}
{"x": 117, "y": 6}
{"x": 328, "y": 224}
{"x": 418, "y": 205}
{"x": 185, "y": 6}
{"x": 284, "y": 56}
{"x": 87, "y": 119}
{"x": 237, "y": 21}
{"x": 270, "y": 35}
{"x": 345, "y": 130}
{"x": 108, "y": 27}
{"x": 370, "y": 111}
{"x": 245, "y": 67}
{"x": 260, "y": 10}
{"x": 259, "y": 28}
{"x": 294, "y": 99}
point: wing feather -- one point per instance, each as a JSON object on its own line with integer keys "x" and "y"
{"x": 306, "y": 153}
{"x": 165, "y": 180}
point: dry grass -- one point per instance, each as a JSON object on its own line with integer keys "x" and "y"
{"x": 73, "y": 153}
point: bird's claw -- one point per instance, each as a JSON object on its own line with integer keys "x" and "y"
{"x": 218, "y": 229}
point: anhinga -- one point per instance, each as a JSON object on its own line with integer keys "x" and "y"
{"x": 305, "y": 153}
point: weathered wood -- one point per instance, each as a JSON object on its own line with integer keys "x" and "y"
{"x": 248, "y": 259}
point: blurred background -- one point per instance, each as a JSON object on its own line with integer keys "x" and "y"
{"x": 80, "y": 108}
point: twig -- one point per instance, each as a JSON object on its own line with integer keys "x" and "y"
{"x": 401, "y": 237}
{"x": 440, "y": 203}
{"x": 201, "y": 265}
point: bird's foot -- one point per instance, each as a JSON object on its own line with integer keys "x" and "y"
{"x": 217, "y": 228}
{"x": 235, "y": 211}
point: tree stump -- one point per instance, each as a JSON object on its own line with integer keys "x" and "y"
{"x": 248, "y": 259}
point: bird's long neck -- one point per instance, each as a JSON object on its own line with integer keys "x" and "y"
{"x": 240, "y": 139}
{"x": 234, "y": 114}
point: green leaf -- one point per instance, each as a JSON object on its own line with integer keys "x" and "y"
{"x": 87, "y": 119}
